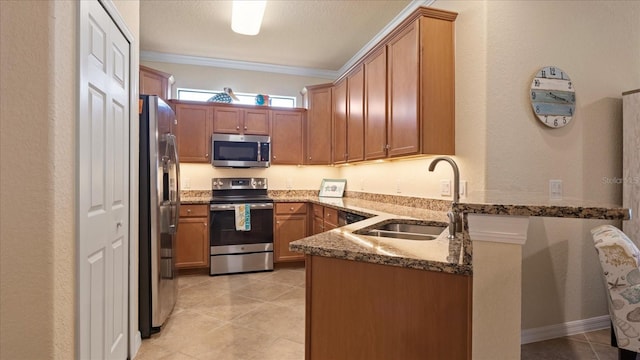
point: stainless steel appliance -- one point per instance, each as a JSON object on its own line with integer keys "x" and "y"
{"x": 239, "y": 251}
{"x": 240, "y": 150}
{"x": 159, "y": 201}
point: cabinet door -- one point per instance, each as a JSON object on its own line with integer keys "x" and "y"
{"x": 192, "y": 243}
{"x": 154, "y": 82}
{"x": 227, "y": 120}
{"x": 256, "y": 122}
{"x": 403, "y": 69}
{"x": 340, "y": 123}
{"x": 317, "y": 226}
{"x": 355, "y": 119}
{"x": 286, "y": 138}
{"x": 375, "y": 83}
{"x": 438, "y": 86}
{"x": 330, "y": 218}
{"x": 194, "y": 132}
{"x": 318, "y": 134}
{"x": 288, "y": 229}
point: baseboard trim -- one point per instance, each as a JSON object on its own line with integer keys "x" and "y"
{"x": 565, "y": 329}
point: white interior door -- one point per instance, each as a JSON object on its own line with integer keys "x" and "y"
{"x": 103, "y": 179}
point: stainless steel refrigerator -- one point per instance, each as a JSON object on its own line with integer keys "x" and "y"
{"x": 159, "y": 202}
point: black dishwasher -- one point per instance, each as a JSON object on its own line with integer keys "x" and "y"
{"x": 345, "y": 217}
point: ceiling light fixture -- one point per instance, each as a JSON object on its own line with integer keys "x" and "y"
{"x": 246, "y": 16}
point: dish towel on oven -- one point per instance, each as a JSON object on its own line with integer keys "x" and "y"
{"x": 243, "y": 217}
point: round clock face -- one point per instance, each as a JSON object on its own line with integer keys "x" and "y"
{"x": 553, "y": 98}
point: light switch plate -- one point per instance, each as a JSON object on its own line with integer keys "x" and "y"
{"x": 555, "y": 189}
{"x": 445, "y": 187}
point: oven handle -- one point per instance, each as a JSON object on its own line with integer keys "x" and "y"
{"x": 227, "y": 207}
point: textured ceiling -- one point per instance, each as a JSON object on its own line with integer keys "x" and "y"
{"x": 304, "y": 33}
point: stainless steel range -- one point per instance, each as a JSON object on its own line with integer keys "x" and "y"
{"x": 247, "y": 248}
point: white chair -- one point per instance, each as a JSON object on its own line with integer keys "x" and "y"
{"x": 620, "y": 262}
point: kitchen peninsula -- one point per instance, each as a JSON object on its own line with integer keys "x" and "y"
{"x": 483, "y": 283}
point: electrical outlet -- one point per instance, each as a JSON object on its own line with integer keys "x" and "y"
{"x": 555, "y": 189}
{"x": 186, "y": 183}
{"x": 445, "y": 187}
{"x": 463, "y": 189}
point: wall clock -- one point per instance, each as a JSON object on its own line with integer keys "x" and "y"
{"x": 553, "y": 97}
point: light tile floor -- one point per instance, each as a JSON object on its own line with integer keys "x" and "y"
{"x": 261, "y": 316}
{"x": 244, "y": 316}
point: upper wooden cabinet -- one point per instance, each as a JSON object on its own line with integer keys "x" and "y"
{"x": 375, "y": 113}
{"x": 155, "y": 82}
{"x": 399, "y": 100}
{"x": 340, "y": 122}
{"x": 287, "y": 140}
{"x": 232, "y": 120}
{"x": 318, "y": 129}
{"x": 193, "y": 131}
{"x": 355, "y": 117}
{"x": 421, "y": 85}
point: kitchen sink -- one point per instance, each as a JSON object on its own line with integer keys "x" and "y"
{"x": 404, "y": 229}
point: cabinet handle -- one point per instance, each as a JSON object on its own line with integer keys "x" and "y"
{"x": 245, "y": 128}
{"x": 206, "y": 155}
{"x": 188, "y": 211}
{"x": 274, "y": 157}
{"x": 238, "y": 127}
{"x": 205, "y": 224}
{"x": 291, "y": 208}
{"x": 309, "y": 157}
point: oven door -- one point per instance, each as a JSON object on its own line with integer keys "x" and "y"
{"x": 223, "y": 225}
{"x": 234, "y": 251}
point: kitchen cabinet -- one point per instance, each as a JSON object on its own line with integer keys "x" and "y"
{"x": 339, "y": 154}
{"x": 228, "y": 119}
{"x": 355, "y": 117}
{"x": 324, "y": 219}
{"x": 360, "y": 310}
{"x": 287, "y": 129}
{"x": 290, "y": 225}
{"x": 192, "y": 239}
{"x": 375, "y": 83}
{"x": 155, "y": 82}
{"x": 193, "y": 131}
{"x": 318, "y": 129}
{"x": 421, "y": 85}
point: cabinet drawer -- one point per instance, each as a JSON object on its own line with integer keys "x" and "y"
{"x": 194, "y": 210}
{"x": 330, "y": 216}
{"x": 318, "y": 211}
{"x": 291, "y": 208}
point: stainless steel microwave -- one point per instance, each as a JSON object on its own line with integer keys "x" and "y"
{"x": 242, "y": 151}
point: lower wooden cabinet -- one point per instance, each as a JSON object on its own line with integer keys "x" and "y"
{"x": 192, "y": 240}
{"x": 360, "y": 310}
{"x": 290, "y": 225}
{"x": 324, "y": 219}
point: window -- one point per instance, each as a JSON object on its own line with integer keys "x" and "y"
{"x": 244, "y": 98}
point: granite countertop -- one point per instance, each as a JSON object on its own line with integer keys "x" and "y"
{"x": 441, "y": 254}
{"x": 535, "y": 204}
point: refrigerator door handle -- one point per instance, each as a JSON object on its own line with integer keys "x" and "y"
{"x": 176, "y": 190}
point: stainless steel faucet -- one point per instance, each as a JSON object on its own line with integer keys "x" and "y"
{"x": 455, "y": 221}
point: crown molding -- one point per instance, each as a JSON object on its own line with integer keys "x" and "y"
{"x": 237, "y": 65}
{"x": 384, "y": 32}
{"x": 282, "y": 69}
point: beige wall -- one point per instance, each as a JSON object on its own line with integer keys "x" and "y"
{"x": 37, "y": 176}
{"x": 210, "y": 78}
{"x": 597, "y": 45}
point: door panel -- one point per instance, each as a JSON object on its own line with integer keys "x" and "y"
{"x": 103, "y": 179}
